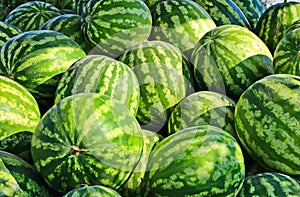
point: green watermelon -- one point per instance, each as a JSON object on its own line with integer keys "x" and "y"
{"x": 135, "y": 185}
{"x": 287, "y": 54}
{"x": 197, "y": 161}
{"x": 229, "y": 58}
{"x": 270, "y": 184}
{"x": 203, "y": 108}
{"x": 114, "y": 26}
{"x": 267, "y": 122}
{"x": 19, "y": 116}
{"x": 181, "y": 23}
{"x": 224, "y": 12}
{"x": 252, "y": 9}
{"x": 69, "y": 25}
{"x": 37, "y": 59}
{"x": 32, "y": 15}
{"x": 273, "y": 23}
{"x": 103, "y": 75}
{"x": 158, "y": 66}
{"x": 21, "y": 177}
{"x": 7, "y": 31}
{"x": 86, "y": 138}
{"x": 95, "y": 190}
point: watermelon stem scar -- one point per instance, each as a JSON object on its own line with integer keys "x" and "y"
{"x": 75, "y": 150}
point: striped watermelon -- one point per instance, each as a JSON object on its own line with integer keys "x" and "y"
{"x": 69, "y": 25}
{"x": 32, "y": 15}
{"x": 86, "y": 138}
{"x": 267, "y": 122}
{"x": 224, "y": 12}
{"x": 181, "y": 23}
{"x": 23, "y": 178}
{"x": 197, "y": 161}
{"x": 270, "y": 184}
{"x": 103, "y": 75}
{"x": 114, "y": 26}
{"x": 230, "y": 58}
{"x": 273, "y": 23}
{"x": 19, "y": 116}
{"x": 36, "y": 59}
{"x": 95, "y": 190}
{"x": 7, "y": 31}
{"x": 287, "y": 54}
{"x": 159, "y": 69}
{"x": 135, "y": 185}
{"x": 203, "y": 108}
{"x": 252, "y": 9}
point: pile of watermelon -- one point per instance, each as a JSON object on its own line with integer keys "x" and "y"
{"x": 149, "y": 98}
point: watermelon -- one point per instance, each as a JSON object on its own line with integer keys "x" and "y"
{"x": 86, "y": 138}
{"x": 19, "y": 116}
{"x": 69, "y": 25}
{"x": 270, "y": 184}
{"x": 95, "y": 190}
{"x": 224, "y": 12}
{"x": 21, "y": 177}
{"x": 159, "y": 69}
{"x": 135, "y": 185}
{"x": 267, "y": 122}
{"x": 181, "y": 23}
{"x": 7, "y": 31}
{"x": 114, "y": 26}
{"x": 203, "y": 108}
{"x": 287, "y": 54}
{"x": 103, "y": 75}
{"x": 273, "y": 23}
{"x": 196, "y": 161}
{"x": 253, "y": 9}
{"x": 32, "y": 15}
{"x": 37, "y": 59}
{"x": 229, "y": 58}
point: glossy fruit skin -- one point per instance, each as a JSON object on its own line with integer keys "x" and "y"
{"x": 86, "y": 138}
{"x": 229, "y": 58}
{"x": 267, "y": 121}
{"x": 37, "y": 59}
{"x": 197, "y": 161}
{"x": 274, "y": 22}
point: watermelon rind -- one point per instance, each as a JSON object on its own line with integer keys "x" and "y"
{"x": 86, "y": 138}
{"x": 197, "y": 161}
{"x": 270, "y": 184}
{"x": 267, "y": 118}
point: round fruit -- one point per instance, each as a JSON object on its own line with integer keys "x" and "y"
{"x": 229, "y": 58}
{"x": 270, "y": 184}
{"x": 287, "y": 54}
{"x": 197, "y": 161}
{"x": 86, "y": 138}
{"x": 267, "y": 122}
